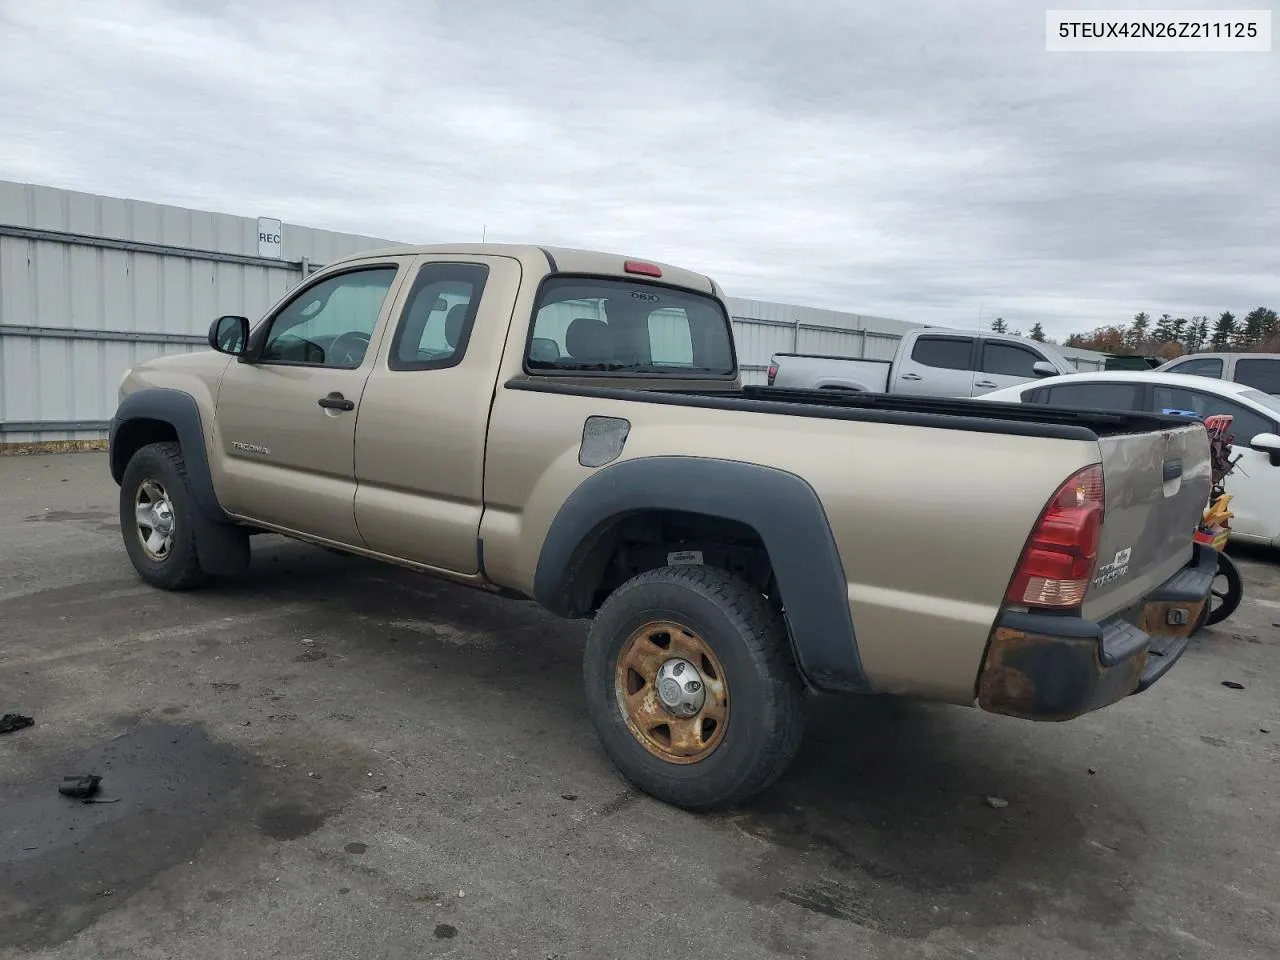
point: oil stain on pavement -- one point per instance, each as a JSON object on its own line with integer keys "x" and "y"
{"x": 169, "y": 789}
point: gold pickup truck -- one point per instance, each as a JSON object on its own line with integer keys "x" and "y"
{"x": 571, "y": 427}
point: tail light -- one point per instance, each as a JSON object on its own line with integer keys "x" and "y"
{"x": 1058, "y": 560}
{"x": 642, "y": 268}
{"x": 773, "y": 373}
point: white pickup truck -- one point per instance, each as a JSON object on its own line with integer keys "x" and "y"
{"x": 930, "y": 362}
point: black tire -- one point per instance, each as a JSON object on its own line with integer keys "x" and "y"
{"x": 766, "y": 712}
{"x": 179, "y": 568}
{"x": 1230, "y": 595}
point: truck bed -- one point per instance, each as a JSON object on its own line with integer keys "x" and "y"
{"x": 1035, "y": 420}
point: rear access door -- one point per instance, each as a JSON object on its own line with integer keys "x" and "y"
{"x": 1157, "y": 487}
{"x": 935, "y": 365}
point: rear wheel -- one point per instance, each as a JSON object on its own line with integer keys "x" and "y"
{"x": 691, "y": 686}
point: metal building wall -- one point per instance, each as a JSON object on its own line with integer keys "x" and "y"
{"x": 763, "y": 328}
{"x": 90, "y": 285}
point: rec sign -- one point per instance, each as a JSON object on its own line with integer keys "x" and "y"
{"x": 268, "y": 238}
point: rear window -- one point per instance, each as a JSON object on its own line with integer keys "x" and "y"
{"x": 602, "y": 325}
{"x": 947, "y": 353}
{"x": 1262, "y": 375}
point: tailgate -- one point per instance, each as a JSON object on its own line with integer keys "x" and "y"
{"x": 1156, "y": 490}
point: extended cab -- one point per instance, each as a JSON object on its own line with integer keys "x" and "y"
{"x": 571, "y": 427}
{"x": 929, "y": 362}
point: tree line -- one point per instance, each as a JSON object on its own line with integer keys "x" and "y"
{"x": 1169, "y": 337}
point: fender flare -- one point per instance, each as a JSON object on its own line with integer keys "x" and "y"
{"x": 780, "y": 506}
{"x": 223, "y": 547}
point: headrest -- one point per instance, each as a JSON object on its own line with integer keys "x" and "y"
{"x": 587, "y": 339}
{"x": 453, "y": 323}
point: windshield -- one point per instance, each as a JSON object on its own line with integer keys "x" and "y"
{"x": 603, "y": 325}
{"x": 1060, "y": 360}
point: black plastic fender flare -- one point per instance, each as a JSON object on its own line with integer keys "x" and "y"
{"x": 780, "y": 506}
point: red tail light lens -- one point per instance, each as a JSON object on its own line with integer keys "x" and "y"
{"x": 642, "y": 268}
{"x": 773, "y": 373}
{"x": 1058, "y": 561}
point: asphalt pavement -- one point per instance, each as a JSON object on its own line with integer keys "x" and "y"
{"x": 335, "y": 759}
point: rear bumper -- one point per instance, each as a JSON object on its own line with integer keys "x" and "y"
{"x": 1043, "y": 666}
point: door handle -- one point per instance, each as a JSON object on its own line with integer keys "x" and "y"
{"x": 911, "y": 376}
{"x": 336, "y": 401}
{"x": 983, "y": 383}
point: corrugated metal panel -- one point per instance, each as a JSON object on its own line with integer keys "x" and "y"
{"x": 52, "y": 283}
{"x": 835, "y": 343}
{"x": 757, "y": 342}
{"x": 882, "y": 346}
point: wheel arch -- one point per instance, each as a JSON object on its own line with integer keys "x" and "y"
{"x": 156, "y": 415}
{"x": 781, "y": 509}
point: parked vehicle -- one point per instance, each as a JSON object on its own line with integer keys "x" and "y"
{"x": 1258, "y": 370}
{"x": 1255, "y": 485}
{"x": 571, "y": 427}
{"x": 1118, "y": 361}
{"x": 928, "y": 363}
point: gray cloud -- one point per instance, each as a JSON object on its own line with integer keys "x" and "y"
{"x": 924, "y": 161}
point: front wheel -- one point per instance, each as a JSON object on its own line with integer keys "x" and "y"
{"x": 157, "y": 518}
{"x": 692, "y": 687}
{"x": 1227, "y": 591}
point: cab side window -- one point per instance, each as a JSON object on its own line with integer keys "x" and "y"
{"x": 1009, "y": 360}
{"x": 329, "y": 323}
{"x": 1120, "y": 397}
{"x": 1261, "y": 374}
{"x": 1199, "y": 367}
{"x": 946, "y": 353}
{"x": 435, "y": 328}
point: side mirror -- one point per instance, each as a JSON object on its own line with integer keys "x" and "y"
{"x": 229, "y": 335}
{"x": 1267, "y": 443}
{"x": 1043, "y": 368}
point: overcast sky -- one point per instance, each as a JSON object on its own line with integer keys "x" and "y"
{"x": 924, "y": 161}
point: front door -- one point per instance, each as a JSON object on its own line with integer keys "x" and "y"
{"x": 1003, "y": 364}
{"x": 284, "y": 437}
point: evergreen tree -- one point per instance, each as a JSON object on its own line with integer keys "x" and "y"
{"x": 1224, "y": 329}
{"x": 1139, "y": 330}
{"x": 1258, "y": 326}
{"x": 1037, "y": 332}
{"x": 1164, "y": 329}
{"x": 999, "y": 326}
{"x": 1199, "y": 336}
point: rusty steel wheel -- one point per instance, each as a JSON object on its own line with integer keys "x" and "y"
{"x": 671, "y": 689}
{"x": 660, "y": 657}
